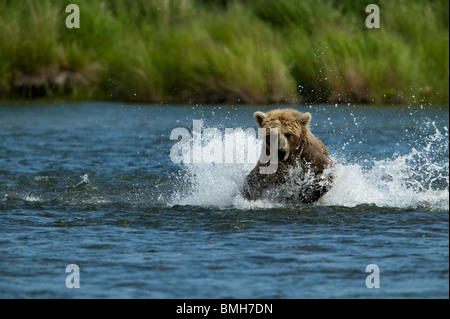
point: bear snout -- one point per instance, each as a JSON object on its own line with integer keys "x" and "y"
{"x": 283, "y": 148}
{"x": 281, "y": 154}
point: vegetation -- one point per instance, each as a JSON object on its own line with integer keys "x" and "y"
{"x": 226, "y": 51}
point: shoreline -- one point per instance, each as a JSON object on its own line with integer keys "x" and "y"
{"x": 244, "y": 52}
{"x": 61, "y": 101}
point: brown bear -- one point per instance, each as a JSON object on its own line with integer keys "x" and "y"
{"x": 301, "y": 159}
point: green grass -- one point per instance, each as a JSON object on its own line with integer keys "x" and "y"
{"x": 249, "y": 51}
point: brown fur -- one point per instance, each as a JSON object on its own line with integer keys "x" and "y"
{"x": 297, "y": 146}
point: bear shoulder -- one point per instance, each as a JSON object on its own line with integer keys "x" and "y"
{"x": 314, "y": 151}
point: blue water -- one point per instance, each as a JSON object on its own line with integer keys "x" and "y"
{"x": 92, "y": 184}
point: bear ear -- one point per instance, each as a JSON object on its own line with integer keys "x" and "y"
{"x": 259, "y": 117}
{"x": 305, "y": 118}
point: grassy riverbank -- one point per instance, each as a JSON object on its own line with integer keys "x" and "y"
{"x": 235, "y": 51}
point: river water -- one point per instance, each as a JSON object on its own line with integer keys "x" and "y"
{"x": 94, "y": 185}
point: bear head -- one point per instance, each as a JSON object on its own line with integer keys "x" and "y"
{"x": 292, "y": 126}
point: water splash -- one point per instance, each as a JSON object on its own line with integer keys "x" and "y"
{"x": 417, "y": 179}
{"x": 217, "y": 184}
{"x": 84, "y": 181}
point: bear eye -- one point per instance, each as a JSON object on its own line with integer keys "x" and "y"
{"x": 288, "y": 135}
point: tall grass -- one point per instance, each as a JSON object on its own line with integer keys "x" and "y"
{"x": 235, "y": 51}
